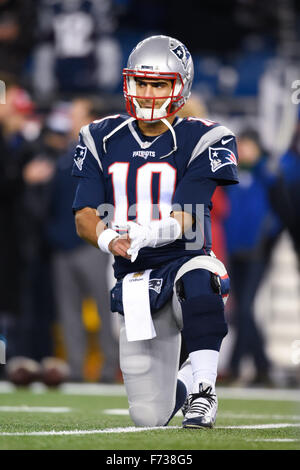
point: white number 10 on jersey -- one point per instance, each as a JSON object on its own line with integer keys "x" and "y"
{"x": 144, "y": 191}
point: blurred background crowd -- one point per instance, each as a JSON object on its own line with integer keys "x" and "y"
{"x": 61, "y": 62}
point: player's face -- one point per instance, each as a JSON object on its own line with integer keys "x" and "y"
{"x": 153, "y": 88}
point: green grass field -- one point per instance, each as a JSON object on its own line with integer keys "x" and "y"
{"x": 82, "y": 418}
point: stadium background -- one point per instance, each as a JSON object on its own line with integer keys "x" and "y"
{"x": 246, "y": 57}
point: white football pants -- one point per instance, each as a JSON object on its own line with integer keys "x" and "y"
{"x": 150, "y": 369}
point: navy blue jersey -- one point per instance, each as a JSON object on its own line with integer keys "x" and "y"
{"x": 144, "y": 178}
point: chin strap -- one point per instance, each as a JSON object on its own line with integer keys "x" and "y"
{"x": 123, "y": 124}
{"x": 166, "y": 122}
{"x": 128, "y": 121}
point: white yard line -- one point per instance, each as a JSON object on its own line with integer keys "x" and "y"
{"x": 258, "y": 416}
{"x": 78, "y": 432}
{"x": 116, "y": 411}
{"x": 6, "y": 387}
{"x": 262, "y": 426}
{"x": 273, "y": 440}
{"x": 36, "y": 409}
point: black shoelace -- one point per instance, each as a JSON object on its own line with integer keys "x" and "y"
{"x": 200, "y": 407}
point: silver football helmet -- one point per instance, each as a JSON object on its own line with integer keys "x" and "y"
{"x": 158, "y": 57}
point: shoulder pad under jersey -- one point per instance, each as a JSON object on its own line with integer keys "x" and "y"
{"x": 208, "y": 132}
{"x": 98, "y": 130}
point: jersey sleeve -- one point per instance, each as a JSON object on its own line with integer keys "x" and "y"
{"x": 192, "y": 190}
{"x": 89, "y": 193}
{"x": 210, "y": 165}
{"x": 87, "y": 168}
{"x": 218, "y": 161}
{"x": 87, "y": 163}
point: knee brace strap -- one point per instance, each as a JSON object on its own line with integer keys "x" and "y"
{"x": 204, "y": 324}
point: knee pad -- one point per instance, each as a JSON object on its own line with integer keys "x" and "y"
{"x": 204, "y": 324}
{"x": 202, "y": 313}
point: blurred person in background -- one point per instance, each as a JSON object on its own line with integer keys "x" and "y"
{"x": 76, "y": 50}
{"x": 193, "y": 107}
{"x": 251, "y": 230}
{"x": 79, "y": 270}
{"x": 13, "y": 119}
{"x": 285, "y": 192}
{"x": 34, "y": 329}
{"x": 17, "y": 27}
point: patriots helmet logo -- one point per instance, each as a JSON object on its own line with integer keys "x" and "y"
{"x": 182, "y": 54}
{"x": 80, "y": 154}
{"x": 220, "y": 156}
{"x": 155, "y": 284}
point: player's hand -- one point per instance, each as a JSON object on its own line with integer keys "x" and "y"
{"x": 138, "y": 234}
{"x": 119, "y": 246}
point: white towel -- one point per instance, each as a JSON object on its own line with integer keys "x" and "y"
{"x": 136, "y": 304}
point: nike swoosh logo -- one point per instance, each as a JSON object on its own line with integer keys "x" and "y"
{"x": 224, "y": 142}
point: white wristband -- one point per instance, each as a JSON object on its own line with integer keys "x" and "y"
{"x": 105, "y": 238}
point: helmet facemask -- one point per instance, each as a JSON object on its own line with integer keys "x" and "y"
{"x": 170, "y": 106}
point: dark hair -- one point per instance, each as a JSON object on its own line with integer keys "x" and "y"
{"x": 252, "y": 134}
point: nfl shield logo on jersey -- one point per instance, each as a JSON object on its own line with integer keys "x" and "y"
{"x": 79, "y": 156}
{"x": 220, "y": 157}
